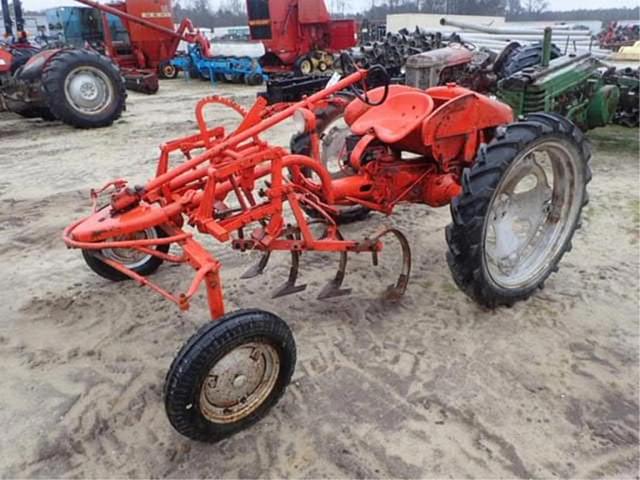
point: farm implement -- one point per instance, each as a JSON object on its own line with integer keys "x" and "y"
{"x": 515, "y": 189}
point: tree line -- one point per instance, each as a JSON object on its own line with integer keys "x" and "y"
{"x": 228, "y": 13}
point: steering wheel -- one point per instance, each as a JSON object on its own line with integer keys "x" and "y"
{"x": 376, "y": 76}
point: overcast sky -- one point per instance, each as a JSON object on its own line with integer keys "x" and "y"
{"x": 354, "y": 5}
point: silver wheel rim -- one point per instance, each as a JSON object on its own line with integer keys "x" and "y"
{"x": 333, "y": 152}
{"x": 239, "y": 382}
{"x": 130, "y": 257}
{"x": 532, "y": 214}
{"x": 88, "y": 90}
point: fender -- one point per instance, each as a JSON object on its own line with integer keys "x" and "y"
{"x": 32, "y": 70}
{"x": 6, "y": 60}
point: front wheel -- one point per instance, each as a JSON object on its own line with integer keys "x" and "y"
{"x": 519, "y": 208}
{"x": 229, "y": 375}
{"x": 303, "y": 66}
{"x": 140, "y": 262}
{"x": 168, "y": 71}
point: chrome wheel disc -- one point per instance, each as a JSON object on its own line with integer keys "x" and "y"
{"x": 130, "y": 257}
{"x": 239, "y": 382}
{"x": 333, "y": 153}
{"x": 532, "y": 214}
{"x": 88, "y": 90}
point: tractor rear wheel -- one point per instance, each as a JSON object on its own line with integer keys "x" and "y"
{"x": 229, "y": 375}
{"x": 83, "y": 88}
{"x": 525, "y": 57}
{"x": 519, "y": 208}
{"x": 140, "y": 262}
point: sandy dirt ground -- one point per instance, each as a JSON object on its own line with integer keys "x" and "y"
{"x": 434, "y": 386}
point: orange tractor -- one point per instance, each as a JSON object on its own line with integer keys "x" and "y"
{"x": 515, "y": 189}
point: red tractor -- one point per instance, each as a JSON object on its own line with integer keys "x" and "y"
{"x": 298, "y": 35}
{"x": 78, "y": 86}
{"x": 515, "y": 188}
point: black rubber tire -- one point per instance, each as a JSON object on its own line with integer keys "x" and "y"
{"x": 254, "y": 79}
{"x": 110, "y": 273}
{"x": 196, "y": 358}
{"x": 470, "y": 209}
{"x": 167, "y": 71}
{"x": 303, "y": 63}
{"x": 53, "y": 79}
{"x": 300, "y": 143}
{"x": 37, "y": 112}
{"x": 526, "y": 57}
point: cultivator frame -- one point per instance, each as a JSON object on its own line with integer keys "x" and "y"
{"x": 199, "y": 192}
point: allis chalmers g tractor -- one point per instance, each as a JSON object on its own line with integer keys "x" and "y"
{"x": 516, "y": 190}
{"x": 78, "y": 86}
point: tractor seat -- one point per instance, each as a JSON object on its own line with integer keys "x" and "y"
{"x": 396, "y": 118}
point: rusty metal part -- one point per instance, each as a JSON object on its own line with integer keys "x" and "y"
{"x": 395, "y": 291}
{"x": 239, "y": 382}
{"x": 258, "y": 267}
{"x": 289, "y": 287}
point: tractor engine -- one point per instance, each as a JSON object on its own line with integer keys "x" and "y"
{"x": 452, "y": 64}
{"x": 436, "y": 67}
{"x": 390, "y": 176}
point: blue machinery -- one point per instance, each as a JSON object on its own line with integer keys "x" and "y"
{"x": 219, "y": 68}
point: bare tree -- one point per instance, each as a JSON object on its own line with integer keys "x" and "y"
{"x": 536, "y": 6}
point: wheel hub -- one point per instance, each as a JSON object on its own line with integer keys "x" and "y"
{"x": 530, "y": 215}
{"x": 88, "y": 90}
{"x": 239, "y": 382}
{"x": 130, "y": 257}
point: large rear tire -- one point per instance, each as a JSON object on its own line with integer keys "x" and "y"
{"x": 83, "y": 88}
{"x": 229, "y": 375}
{"x": 525, "y": 57}
{"x": 519, "y": 208}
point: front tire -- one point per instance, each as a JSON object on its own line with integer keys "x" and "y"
{"x": 83, "y": 88}
{"x": 229, "y": 375}
{"x": 167, "y": 71}
{"x": 510, "y": 227}
{"x": 303, "y": 66}
{"x": 140, "y": 263}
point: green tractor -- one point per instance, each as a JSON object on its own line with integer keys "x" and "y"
{"x": 572, "y": 85}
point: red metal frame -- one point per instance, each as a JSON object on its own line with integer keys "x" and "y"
{"x": 298, "y": 28}
{"x": 221, "y": 167}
